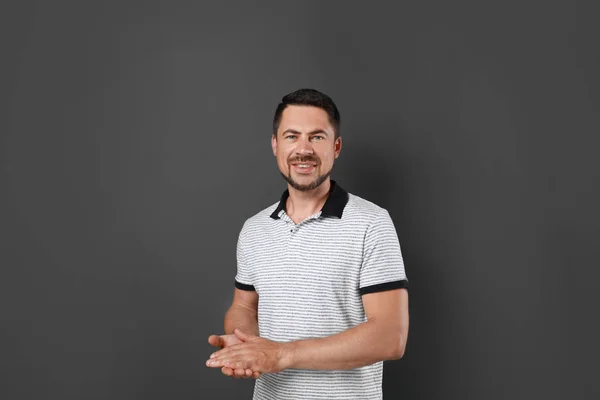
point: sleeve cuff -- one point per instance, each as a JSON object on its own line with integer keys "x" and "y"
{"x": 243, "y": 286}
{"x": 382, "y": 287}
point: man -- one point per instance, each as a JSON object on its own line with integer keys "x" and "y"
{"x": 320, "y": 297}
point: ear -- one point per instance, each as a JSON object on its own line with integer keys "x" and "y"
{"x": 337, "y": 147}
{"x": 274, "y": 144}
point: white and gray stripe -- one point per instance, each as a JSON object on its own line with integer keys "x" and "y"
{"x": 310, "y": 277}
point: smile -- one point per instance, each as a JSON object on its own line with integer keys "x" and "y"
{"x": 304, "y": 168}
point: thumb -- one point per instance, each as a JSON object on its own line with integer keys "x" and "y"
{"x": 243, "y": 336}
{"x": 216, "y": 341}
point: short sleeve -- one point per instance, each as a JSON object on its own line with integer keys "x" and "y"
{"x": 243, "y": 278}
{"x": 382, "y": 267}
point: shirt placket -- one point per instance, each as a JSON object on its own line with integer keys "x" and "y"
{"x": 293, "y": 228}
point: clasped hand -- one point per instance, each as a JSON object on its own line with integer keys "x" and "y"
{"x": 243, "y": 355}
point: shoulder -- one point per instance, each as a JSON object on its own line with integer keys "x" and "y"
{"x": 259, "y": 220}
{"x": 365, "y": 210}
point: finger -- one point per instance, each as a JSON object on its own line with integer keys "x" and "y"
{"x": 227, "y": 371}
{"x": 255, "y": 375}
{"x": 230, "y": 340}
{"x": 228, "y": 350}
{"x": 240, "y": 373}
{"x": 228, "y": 362}
{"x": 215, "y": 340}
{"x": 219, "y": 353}
{"x": 243, "y": 364}
{"x": 248, "y": 373}
{"x": 212, "y": 364}
{"x": 233, "y": 359}
{"x": 232, "y": 353}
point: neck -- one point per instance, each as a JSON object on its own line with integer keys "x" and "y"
{"x": 303, "y": 204}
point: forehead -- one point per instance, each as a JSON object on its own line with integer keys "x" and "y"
{"x": 302, "y": 118}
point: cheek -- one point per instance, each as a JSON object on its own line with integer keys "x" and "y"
{"x": 282, "y": 159}
{"x": 283, "y": 153}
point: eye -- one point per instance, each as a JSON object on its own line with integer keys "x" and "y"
{"x": 318, "y": 137}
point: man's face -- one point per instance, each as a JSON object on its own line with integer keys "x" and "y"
{"x": 305, "y": 146}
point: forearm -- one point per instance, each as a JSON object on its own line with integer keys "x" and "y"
{"x": 242, "y": 318}
{"x": 365, "y": 344}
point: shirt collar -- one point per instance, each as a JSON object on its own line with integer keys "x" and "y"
{"x": 333, "y": 207}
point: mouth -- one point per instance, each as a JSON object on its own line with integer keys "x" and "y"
{"x": 304, "y": 168}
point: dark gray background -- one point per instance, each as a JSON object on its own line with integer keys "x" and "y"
{"x": 135, "y": 142}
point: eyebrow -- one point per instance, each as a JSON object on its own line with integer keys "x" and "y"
{"x": 314, "y": 132}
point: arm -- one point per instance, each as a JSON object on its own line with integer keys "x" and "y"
{"x": 243, "y": 313}
{"x": 382, "y": 337}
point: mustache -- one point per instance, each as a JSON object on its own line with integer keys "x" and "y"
{"x": 304, "y": 159}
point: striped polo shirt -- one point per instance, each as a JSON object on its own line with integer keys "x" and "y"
{"x": 310, "y": 278}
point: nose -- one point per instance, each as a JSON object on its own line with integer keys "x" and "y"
{"x": 304, "y": 146}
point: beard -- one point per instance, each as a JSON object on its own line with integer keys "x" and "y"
{"x": 310, "y": 186}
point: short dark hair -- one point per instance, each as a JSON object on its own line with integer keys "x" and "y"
{"x": 309, "y": 97}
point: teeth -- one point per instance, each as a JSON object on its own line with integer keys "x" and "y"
{"x": 303, "y": 165}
